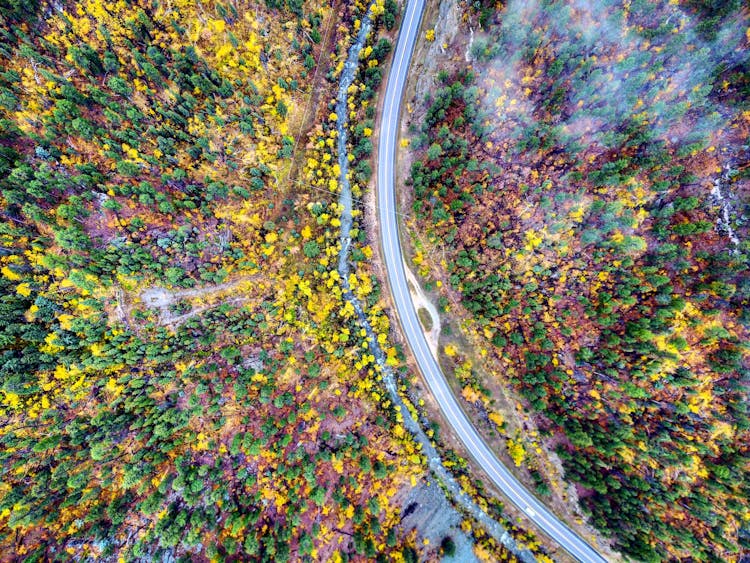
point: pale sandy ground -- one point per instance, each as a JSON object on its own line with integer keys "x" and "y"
{"x": 160, "y": 298}
{"x": 434, "y": 518}
{"x": 421, "y": 301}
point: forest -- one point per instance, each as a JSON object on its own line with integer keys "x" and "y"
{"x": 180, "y": 377}
{"x": 582, "y": 182}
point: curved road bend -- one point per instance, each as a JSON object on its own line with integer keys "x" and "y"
{"x": 394, "y": 261}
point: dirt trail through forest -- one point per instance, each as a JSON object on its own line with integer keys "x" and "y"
{"x": 163, "y": 299}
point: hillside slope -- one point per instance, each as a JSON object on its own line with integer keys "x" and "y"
{"x": 584, "y": 181}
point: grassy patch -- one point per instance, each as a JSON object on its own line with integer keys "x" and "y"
{"x": 425, "y": 318}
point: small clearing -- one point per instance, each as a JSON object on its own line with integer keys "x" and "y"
{"x": 427, "y": 510}
{"x": 421, "y": 302}
{"x": 164, "y": 300}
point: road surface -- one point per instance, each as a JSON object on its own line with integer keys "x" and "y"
{"x": 394, "y": 261}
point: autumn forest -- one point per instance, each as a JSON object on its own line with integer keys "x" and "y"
{"x": 585, "y": 189}
{"x": 185, "y": 375}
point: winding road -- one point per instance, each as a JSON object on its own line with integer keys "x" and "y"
{"x": 391, "y": 247}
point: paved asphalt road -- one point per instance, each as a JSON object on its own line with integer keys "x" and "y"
{"x": 389, "y": 127}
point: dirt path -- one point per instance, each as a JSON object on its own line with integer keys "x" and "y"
{"x": 421, "y": 301}
{"x": 318, "y": 87}
{"x": 162, "y": 299}
{"x": 159, "y": 297}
